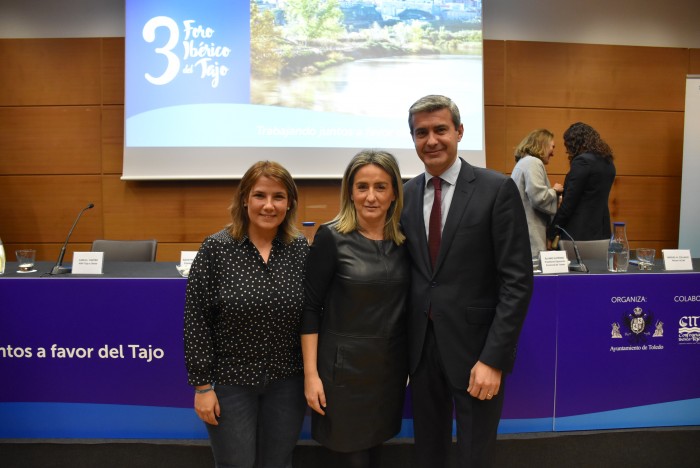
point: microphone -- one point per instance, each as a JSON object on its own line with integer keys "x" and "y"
{"x": 59, "y": 269}
{"x": 574, "y": 267}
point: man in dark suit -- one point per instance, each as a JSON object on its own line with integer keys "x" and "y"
{"x": 468, "y": 298}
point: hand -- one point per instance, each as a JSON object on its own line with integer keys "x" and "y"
{"x": 315, "y": 396}
{"x": 559, "y": 188}
{"x": 206, "y": 405}
{"x": 484, "y": 381}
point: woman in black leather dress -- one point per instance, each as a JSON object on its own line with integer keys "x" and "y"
{"x": 354, "y": 321}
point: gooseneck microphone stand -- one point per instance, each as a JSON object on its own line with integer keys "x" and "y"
{"x": 579, "y": 266}
{"x": 59, "y": 269}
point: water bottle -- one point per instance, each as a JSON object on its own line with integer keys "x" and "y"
{"x": 618, "y": 249}
{"x": 2, "y": 258}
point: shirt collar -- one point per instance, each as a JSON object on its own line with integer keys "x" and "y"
{"x": 277, "y": 241}
{"x": 450, "y": 175}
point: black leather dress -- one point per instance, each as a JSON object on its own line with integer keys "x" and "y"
{"x": 356, "y": 291}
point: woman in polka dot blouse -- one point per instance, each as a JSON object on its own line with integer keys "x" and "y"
{"x": 242, "y": 321}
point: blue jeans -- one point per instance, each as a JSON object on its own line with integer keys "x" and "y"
{"x": 259, "y": 426}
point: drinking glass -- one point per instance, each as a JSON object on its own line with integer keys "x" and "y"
{"x": 646, "y": 258}
{"x": 25, "y": 260}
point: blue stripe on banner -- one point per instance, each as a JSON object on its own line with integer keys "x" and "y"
{"x": 516, "y": 426}
{"x": 95, "y": 421}
{"x": 675, "y": 413}
{"x": 507, "y": 426}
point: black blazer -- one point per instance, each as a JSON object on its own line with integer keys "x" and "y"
{"x": 481, "y": 287}
{"x": 584, "y": 209}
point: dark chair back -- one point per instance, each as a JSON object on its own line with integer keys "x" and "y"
{"x": 126, "y": 250}
{"x": 589, "y": 250}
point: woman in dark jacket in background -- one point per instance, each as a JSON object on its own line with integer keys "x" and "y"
{"x": 584, "y": 212}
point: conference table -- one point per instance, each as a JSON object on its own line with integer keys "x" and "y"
{"x": 102, "y": 356}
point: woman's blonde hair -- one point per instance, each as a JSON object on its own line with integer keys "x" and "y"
{"x": 240, "y": 221}
{"x": 346, "y": 220}
{"x": 535, "y": 144}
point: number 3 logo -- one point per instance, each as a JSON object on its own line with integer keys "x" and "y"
{"x": 149, "y": 35}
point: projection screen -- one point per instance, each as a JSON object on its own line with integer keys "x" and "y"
{"x": 215, "y": 85}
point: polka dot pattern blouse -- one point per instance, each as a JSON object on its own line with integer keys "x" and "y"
{"x": 243, "y": 316}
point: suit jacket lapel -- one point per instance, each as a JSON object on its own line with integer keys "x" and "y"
{"x": 463, "y": 192}
{"x": 417, "y": 227}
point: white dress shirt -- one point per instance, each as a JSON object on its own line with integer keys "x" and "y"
{"x": 449, "y": 180}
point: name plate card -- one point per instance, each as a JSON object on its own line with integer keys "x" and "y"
{"x": 554, "y": 261}
{"x": 677, "y": 260}
{"x": 87, "y": 263}
{"x": 186, "y": 258}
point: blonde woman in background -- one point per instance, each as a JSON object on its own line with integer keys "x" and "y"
{"x": 540, "y": 198}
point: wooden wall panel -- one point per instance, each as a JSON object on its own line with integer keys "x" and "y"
{"x": 180, "y": 214}
{"x": 61, "y": 141}
{"x": 113, "y": 70}
{"x": 644, "y": 143}
{"x": 50, "y": 140}
{"x": 319, "y": 201}
{"x": 43, "y": 208}
{"x": 169, "y": 211}
{"x": 54, "y": 72}
{"x": 649, "y": 206}
{"x": 112, "y": 139}
{"x": 497, "y": 157}
{"x": 694, "y": 65}
{"x": 494, "y": 73}
{"x": 595, "y": 76}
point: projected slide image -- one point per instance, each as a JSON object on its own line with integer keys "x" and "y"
{"x": 356, "y": 58}
{"x": 239, "y": 79}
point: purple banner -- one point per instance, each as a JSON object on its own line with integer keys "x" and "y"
{"x": 104, "y": 358}
{"x": 627, "y": 341}
{"x": 530, "y": 387}
{"x": 110, "y": 341}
